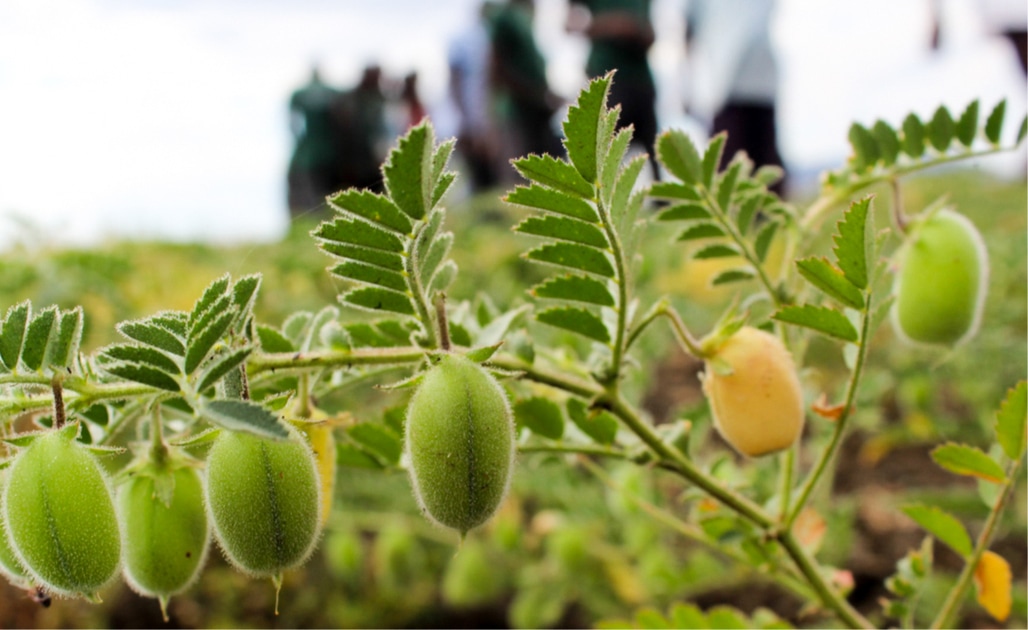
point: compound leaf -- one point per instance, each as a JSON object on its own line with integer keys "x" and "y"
{"x": 888, "y": 142}
{"x": 372, "y": 207}
{"x": 151, "y": 332}
{"x": 376, "y": 299}
{"x": 354, "y": 232}
{"x": 65, "y": 343}
{"x": 221, "y": 366}
{"x": 583, "y": 125}
{"x": 370, "y": 274}
{"x": 913, "y": 136}
{"x": 37, "y": 337}
{"x": 144, "y": 374}
{"x": 144, "y": 355}
{"x": 941, "y": 128}
{"x": 994, "y": 123}
{"x": 732, "y": 275}
{"x": 865, "y": 149}
{"x": 678, "y": 154}
{"x": 716, "y": 250}
{"x": 407, "y": 172}
{"x": 565, "y": 229}
{"x": 852, "y": 242}
{"x": 967, "y": 125}
{"x": 201, "y": 342}
{"x": 712, "y": 158}
{"x": 12, "y": 335}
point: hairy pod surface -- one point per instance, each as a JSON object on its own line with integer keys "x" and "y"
{"x": 10, "y": 567}
{"x": 60, "y": 518}
{"x": 757, "y": 402}
{"x": 164, "y": 544}
{"x": 941, "y": 284}
{"x": 460, "y": 441}
{"x": 263, "y": 498}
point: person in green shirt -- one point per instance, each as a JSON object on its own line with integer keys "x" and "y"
{"x": 620, "y": 34}
{"x": 523, "y": 97}
{"x": 312, "y": 168}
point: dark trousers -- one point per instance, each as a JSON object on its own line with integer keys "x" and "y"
{"x": 751, "y": 128}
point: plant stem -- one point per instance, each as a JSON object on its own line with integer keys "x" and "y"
{"x": 694, "y": 533}
{"x": 788, "y": 462}
{"x": 574, "y": 449}
{"x": 620, "y": 345}
{"x": 733, "y": 232}
{"x": 441, "y": 321}
{"x": 410, "y": 268}
{"x": 955, "y": 598}
{"x": 828, "y": 596}
{"x": 840, "y": 425}
{"x": 273, "y": 362}
{"x": 158, "y": 449}
{"x": 58, "y": 395}
{"x": 663, "y": 309}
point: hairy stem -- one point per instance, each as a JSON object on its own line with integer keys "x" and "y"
{"x": 840, "y": 425}
{"x": 955, "y": 597}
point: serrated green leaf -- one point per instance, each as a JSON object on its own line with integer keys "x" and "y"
{"x": 272, "y": 340}
{"x": 994, "y": 123}
{"x": 612, "y": 161}
{"x": 913, "y": 136}
{"x": 819, "y": 318}
{"x": 369, "y": 274}
{"x": 1022, "y": 131}
{"x": 13, "y": 333}
{"x": 575, "y": 288}
{"x": 541, "y": 416}
{"x": 66, "y": 340}
{"x": 825, "y": 276}
{"x": 201, "y": 343}
{"x": 373, "y": 207}
{"x": 443, "y": 278}
{"x": 623, "y": 208}
{"x": 212, "y": 296}
{"x": 576, "y": 320}
{"x": 676, "y": 151}
{"x": 690, "y": 211}
{"x": 762, "y": 244}
{"x": 747, "y": 210}
{"x": 215, "y": 311}
{"x": 574, "y": 256}
{"x": 221, "y": 366}
{"x": 143, "y": 374}
{"x": 553, "y": 201}
{"x": 1010, "y": 421}
{"x": 376, "y": 299}
{"x": 942, "y": 525}
{"x": 941, "y": 129}
{"x": 968, "y": 461}
{"x": 852, "y": 242}
{"x": 674, "y": 190}
{"x": 599, "y": 425}
{"x": 350, "y": 456}
{"x": 426, "y": 234}
{"x": 150, "y": 333}
{"x": 37, "y": 337}
{"x": 700, "y": 230}
{"x": 146, "y": 355}
{"x": 865, "y": 149}
{"x": 712, "y": 158}
{"x": 726, "y": 185}
{"x": 443, "y": 180}
{"x": 408, "y": 169}
{"x": 386, "y": 260}
{"x": 553, "y": 173}
{"x": 244, "y": 415}
{"x": 967, "y": 125}
{"x": 565, "y": 229}
{"x": 887, "y": 140}
{"x": 357, "y": 232}
{"x": 379, "y": 440}
{"x": 716, "y": 250}
{"x": 244, "y": 296}
{"x": 581, "y": 127}
{"x": 732, "y": 275}
{"x": 175, "y": 321}
{"x": 437, "y": 252}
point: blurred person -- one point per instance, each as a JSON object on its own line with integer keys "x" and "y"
{"x": 524, "y": 101}
{"x": 412, "y": 100}
{"x": 620, "y": 34}
{"x": 735, "y": 76}
{"x": 468, "y": 59}
{"x": 360, "y": 132}
{"x": 312, "y": 170}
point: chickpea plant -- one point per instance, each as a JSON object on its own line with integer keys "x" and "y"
{"x": 232, "y": 445}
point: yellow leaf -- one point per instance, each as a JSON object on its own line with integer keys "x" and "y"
{"x": 992, "y": 577}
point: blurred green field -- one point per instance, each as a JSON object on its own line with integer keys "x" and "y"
{"x": 571, "y": 547}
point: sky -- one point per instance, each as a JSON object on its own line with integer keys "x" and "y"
{"x": 168, "y": 118}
